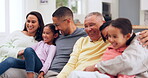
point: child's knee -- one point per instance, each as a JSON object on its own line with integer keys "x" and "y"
{"x": 28, "y": 50}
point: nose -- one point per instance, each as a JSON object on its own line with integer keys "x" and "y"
{"x": 30, "y": 24}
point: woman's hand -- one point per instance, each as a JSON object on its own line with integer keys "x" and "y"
{"x": 143, "y": 38}
{"x": 41, "y": 75}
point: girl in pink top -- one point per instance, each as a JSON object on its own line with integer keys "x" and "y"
{"x": 38, "y": 58}
{"x": 119, "y": 35}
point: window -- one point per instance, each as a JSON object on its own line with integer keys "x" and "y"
{"x": 75, "y": 5}
{"x": 16, "y": 15}
{"x": 2, "y": 15}
{"x": 11, "y": 15}
{"x": 145, "y": 17}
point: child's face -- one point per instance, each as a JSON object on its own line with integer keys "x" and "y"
{"x": 48, "y": 35}
{"x": 116, "y": 38}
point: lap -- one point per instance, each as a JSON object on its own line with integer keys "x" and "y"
{"x": 83, "y": 74}
{"x": 21, "y": 73}
{"x": 51, "y": 74}
{"x": 14, "y": 73}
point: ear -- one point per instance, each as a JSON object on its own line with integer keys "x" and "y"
{"x": 68, "y": 20}
{"x": 56, "y": 35}
{"x": 128, "y": 36}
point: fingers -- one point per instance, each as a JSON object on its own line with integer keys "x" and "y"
{"x": 142, "y": 32}
{"x": 143, "y": 38}
{"x": 145, "y": 41}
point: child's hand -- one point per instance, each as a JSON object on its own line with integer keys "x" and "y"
{"x": 41, "y": 75}
{"x": 21, "y": 52}
{"x": 91, "y": 68}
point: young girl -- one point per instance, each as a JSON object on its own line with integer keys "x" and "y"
{"x": 119, "y": 35}
{"x": 37, "y": 58}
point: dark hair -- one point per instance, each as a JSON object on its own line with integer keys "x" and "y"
{"x": 125, "y": 26}
{"x": 63, "y": 12}
{"x": 38, "y": 35}
{"x": 103, "y": 27}
{"x": 52, "y": 28}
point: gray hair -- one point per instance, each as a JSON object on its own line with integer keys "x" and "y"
{"x": 96, "y": 14}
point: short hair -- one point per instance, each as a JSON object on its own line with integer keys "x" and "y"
{"x": 96, "y": 14}
{"x": 124, "y": 24}
{"x": 63, "y": 12}
{"x": 38, "y": 35}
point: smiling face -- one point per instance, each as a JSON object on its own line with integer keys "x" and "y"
{"x": 48, "y": 35}
{"x": 62, "y": 25}
{"x": 92, "y": 25}
{"x": 116, "y": 38}
{"x": 32, "y": 24}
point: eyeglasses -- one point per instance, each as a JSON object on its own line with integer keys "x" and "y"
{"x": 57, "y": 24}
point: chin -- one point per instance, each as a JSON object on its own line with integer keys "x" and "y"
{"x": 45, "y": 41}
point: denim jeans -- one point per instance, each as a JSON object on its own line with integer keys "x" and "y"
{"x": 31, "y": 63}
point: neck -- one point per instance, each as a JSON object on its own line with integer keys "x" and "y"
{"x": 49, "y": 43}
{"x": 29, "y": 34}
{"x": 72, "y": 28}
{"x": 96, "y": 37}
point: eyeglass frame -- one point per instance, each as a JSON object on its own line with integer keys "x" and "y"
{"x": 56, "y": 25}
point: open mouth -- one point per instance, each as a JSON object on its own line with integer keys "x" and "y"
{"x": 114, "y": 44}
{"x": 30, "y": 28}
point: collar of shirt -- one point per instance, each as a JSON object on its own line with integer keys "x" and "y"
{"x": 118, "y": 50}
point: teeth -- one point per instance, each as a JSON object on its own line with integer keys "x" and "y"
{"x": 45, "y": 38}
{"x": 30, "y": 27}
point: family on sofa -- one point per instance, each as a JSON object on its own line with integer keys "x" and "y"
{"x": 76, "y": 49}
